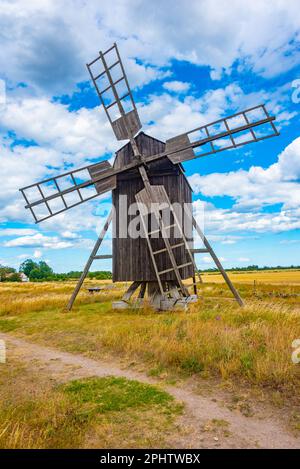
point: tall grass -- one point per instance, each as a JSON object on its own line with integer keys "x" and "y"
{"x": 253, "y": 344}
{"x": 214, "y": 339}
{"x": 25, "y": 298}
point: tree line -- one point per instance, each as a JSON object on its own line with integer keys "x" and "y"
{"x": 41, "y": 272}
{"x": 250, "y": 268}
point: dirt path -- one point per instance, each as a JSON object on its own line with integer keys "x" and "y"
{"x": 206, "y": 422}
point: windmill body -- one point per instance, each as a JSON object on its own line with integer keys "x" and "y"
{"x": 131, "y": 257}
{"x": 147, "y": 174}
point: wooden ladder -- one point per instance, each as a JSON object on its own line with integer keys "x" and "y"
{"x": 148, "y": 202}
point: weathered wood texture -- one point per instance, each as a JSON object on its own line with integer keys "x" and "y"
{"x": 131, "y": 258}
{"x": 129, "y": 121}
{"x": 97, "y": 170}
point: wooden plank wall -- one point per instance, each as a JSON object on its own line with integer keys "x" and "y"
{"x": 131, "y": 258}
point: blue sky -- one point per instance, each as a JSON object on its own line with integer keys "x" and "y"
{"x": 186, "y": 67}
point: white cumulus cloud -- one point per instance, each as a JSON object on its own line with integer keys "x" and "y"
{"x": 177, "y": 86}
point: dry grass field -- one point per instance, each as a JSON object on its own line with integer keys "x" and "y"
{"x": 214, "y": 342}
{"x": 271, "y": 277}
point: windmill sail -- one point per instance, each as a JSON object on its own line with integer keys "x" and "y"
{"x": 248, "y": 126}
{"x": 56, "y": 195}
{"x": 110, "y": 80}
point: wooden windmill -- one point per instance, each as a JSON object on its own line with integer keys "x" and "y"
{"x": 149, "y": 173}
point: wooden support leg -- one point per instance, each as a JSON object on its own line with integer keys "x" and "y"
{"x": 90, "y": 260}
{"x": 218, "y": 264}
{"x": 173, "y": 290}
{"x": 123, "y": 303}
{"x": 142, "y": 290}
{"x": 128, "y": 294}
{"x": 154, "y": 294}
{"x": 195, "y": 285}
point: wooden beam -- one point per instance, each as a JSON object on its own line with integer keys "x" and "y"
{"x": 90, "y": 260}
{"x": 218, "y": 264}
{"x": 128, "y": 294}
{"x": 104, "y": 256}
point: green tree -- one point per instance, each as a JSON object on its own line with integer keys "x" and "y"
{"x": 27, "y": 266}
{"x": 4, "y": 270}
{"x": 45, "y": 269}
{"x": 36, "y": 274}
{"x": 15, "y": 277}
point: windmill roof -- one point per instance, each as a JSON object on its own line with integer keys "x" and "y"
{"x": 119, "y": 159}
{"x": 137, "y": 137}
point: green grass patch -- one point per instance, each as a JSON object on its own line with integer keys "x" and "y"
{"x": 111, "y": 394}
{"x": 7, "y": 325}
{"x": 192, "y": 365}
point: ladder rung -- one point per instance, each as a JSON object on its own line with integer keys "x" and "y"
{"x": 177, "y": 245}
{"x": 184, "y": 265}
{"x": 165, "y": 249}
{"x": 178, "y": 267}
{"x": 153, "y": 232}
{"x": 165, "y": 271}
{"x": 159, "y": 229}
{"x": 160, "y": 251}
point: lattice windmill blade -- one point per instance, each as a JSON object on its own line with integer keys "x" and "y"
{"x": 57, "y": 194}
{"x": 110, "y": 80}
{"x": 248, "y": 126}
